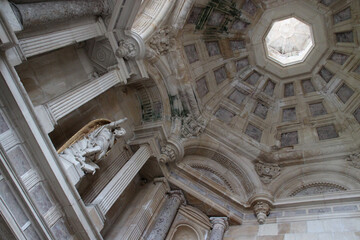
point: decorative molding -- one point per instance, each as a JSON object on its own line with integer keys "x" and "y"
{"x": 113, "y": 190}
{"x": 209, "y": 170}
{"x": 267, "y": 171}
{"x": 163, "y": 40}
{"x": 47, "y": 42}
{"x": 262, "y": 210}
{"x": 317, "y": 188}
{"x": 354, "y": 160}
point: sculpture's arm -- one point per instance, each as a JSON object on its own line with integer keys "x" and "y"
{"x": 115, "y": 124}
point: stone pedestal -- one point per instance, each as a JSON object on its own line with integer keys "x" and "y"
{"x": 34, "y": 14}
{"x": 219, "y": 226}
{"x": 166, "y": 216}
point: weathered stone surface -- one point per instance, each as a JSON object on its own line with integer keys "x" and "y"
{"x": 239, "y": 25}
{"x": 236, "y": 45}
{"x": 317, "y": 109}
{"x": 216, "y": 18}
{"x": 339, "y": 58}
{"x": 166, "y": 216}
{"x": 289, "y": 90}
{"x": 357, "y": 114}
{"x": 194, "y": 15}
{"x": 327, "y": 2}
{"x": 327, "y": 132}
{"x": 289, "y": 139}
{"x": 253, "y": 78}
{"x": 307, "y": 85}
{"x": 19, "y": 161}
{"x": 261, "y": 110}
{"x": 34, "y": 14}
{"x": 237, "y": 96}
{"x": 344, "y": 93}
{"x": 3, "y": 126}
{"x": 253, "y": 132}
{"x": 249, "y": 7}
{"x": 219, "y": 226}
{"x": 220, "y": 75}
{"x": 224, "y": 115}
{"x": 240, "y": 64}
{"x": 345, "y": 36}
{"x": 269, "y": 88}
{"x": 326, "y": 74}
{"x": 357, "y": 69}
{"x": 31, "y": 234}
{"x": 12, "y": 204}
{"x": 60, "y": 231}
{"x": 201, "y": 87}
{"x": 289, "y": 114}
{"x": 191, "y": 53}
{"x": 342, "y": 15}
{"x": 40, "y": 199}
{"x": 213, "y": 48}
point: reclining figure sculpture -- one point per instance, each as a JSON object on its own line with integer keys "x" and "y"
{"x": 93, "y": 147}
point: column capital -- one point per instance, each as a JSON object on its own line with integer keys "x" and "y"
{"x": 222, "y": 222}
{"x": 177, "y": 194}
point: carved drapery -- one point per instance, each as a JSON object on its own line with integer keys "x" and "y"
{"x": 166, "y": 215}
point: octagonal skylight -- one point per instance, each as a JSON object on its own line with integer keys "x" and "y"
{"x": 289, "y": 41}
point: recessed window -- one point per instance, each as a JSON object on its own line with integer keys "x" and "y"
{"x": 289, "y": 41}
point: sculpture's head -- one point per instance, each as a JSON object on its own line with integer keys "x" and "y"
{"x": 119, "y": 132}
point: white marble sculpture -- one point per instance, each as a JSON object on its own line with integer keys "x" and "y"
{"x": 93, "y": 147}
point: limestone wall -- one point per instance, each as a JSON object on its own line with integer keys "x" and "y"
{"x": 329, "y": 229}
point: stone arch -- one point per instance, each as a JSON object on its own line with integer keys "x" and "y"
{"x": 185, "y": 232}
{"x": 322, "y": 178}
{"x": 242, "y": 169}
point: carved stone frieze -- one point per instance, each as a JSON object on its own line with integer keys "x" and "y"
{"x": 192, "y": 127}
{"x": 261, "y": 209}
{"x": 267, "y": 171}
{"x": 354, "y": 160}
{"x": 317, "y": 188}
{"x": 162, "y": 41}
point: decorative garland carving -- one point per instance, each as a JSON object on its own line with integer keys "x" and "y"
{"x": 267, "y": 171}
{"x": 354, "y": 160}
{"x": 317, "y": 188}
{"x": 208, "y": 169}
{"x": 162, "y": 41}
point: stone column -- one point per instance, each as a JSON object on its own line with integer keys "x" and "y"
{"x": 34, "y": 14}
{"x": 219, "y": 226}
{"x": 113, "y": 190}
{"x": 166, "y": 216}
